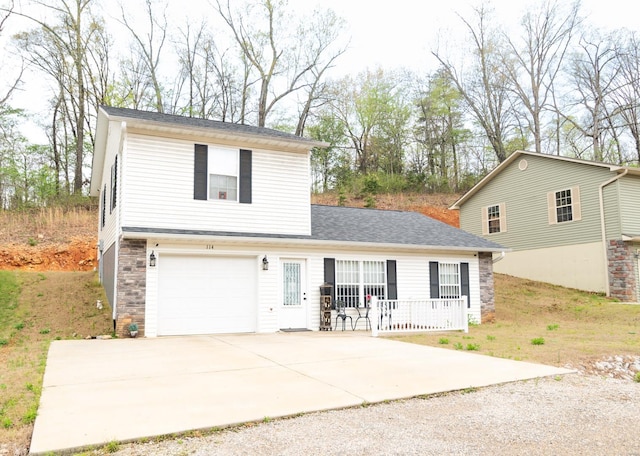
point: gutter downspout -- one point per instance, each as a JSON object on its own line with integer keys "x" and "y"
{"x": 495, "y": 260}
{"x": 603, "y": 227}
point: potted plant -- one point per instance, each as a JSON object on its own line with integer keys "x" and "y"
{"x": 133, "y": 329}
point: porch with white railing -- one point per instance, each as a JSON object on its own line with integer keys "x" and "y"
{"x": 400, "y": 316}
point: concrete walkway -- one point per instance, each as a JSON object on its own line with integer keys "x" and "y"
{"x": 97, "y": 391}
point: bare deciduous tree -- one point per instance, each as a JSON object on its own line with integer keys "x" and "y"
{"x": 593, "y": 73}
{"x": 284, "y": 62}
{"x": 533, "y": 65}
{"x": 6, "y": 13}
{"x": 627, "y": 93}
{"x": 147, "y": 50}
{"x": 484, "y": 87}
{"x": 60, "y": 50}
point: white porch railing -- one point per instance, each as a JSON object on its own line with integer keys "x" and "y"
{"x": 399, "y": 316}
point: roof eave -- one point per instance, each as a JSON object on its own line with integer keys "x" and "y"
{"x": 132, "y": 233}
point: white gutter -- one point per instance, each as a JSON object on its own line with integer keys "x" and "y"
{"x": 502, "y": 255}
{"x": 603, "y": 228}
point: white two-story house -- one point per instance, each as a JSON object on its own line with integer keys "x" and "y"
{"x": 206, "y": 227}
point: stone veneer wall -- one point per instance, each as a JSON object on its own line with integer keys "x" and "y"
{"x": 622, "y": 271}
{"x": 131, "y": 278}
{"x": 487, "y": 292}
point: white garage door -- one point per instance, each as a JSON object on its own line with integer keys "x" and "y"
{"x": 206, "y": 295}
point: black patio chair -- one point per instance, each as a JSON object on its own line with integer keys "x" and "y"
{"x": 341, "y": 312}
{"x": 367, "y": 321}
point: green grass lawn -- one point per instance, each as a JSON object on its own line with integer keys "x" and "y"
{"x": 36, "y": 308}
{"x": 547, "y": 324}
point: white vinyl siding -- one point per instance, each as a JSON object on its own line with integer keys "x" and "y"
{"x": 412, "y": 277}
{"x": 159, "y": 193}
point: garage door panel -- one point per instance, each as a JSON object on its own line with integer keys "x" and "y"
{"x": 206, "y": 295}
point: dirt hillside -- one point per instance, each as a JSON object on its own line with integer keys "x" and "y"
{"x": 55, "y": 239}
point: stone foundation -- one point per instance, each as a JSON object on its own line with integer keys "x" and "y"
{"x": 487, "y": 296}
{"x": 623, "y": 273}
{"x": 131, "y": 278}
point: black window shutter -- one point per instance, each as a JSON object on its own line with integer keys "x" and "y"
{"x": 434, "y": 280}
{"x": 111, "y": 189}
{"x": 330, "y": 275}
{"x": 392, "y": 282}
{"x": 104, "y": 206}
{"x": 200, "y": 160}
{"x": 245, "y": 176}
{"x": 114, "y": 185}
{"x": 464, "y": 282}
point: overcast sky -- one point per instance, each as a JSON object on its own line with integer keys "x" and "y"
{"x": 386, "y": 33}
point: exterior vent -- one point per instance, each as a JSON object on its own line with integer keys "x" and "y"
{"x": 522, "y": 165}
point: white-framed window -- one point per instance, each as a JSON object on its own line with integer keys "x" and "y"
{"x": 449, "y": 280}
{"x": 223, "y": 173}
{"x": 494, "y": 219}
{"x": 355, "y": 280}
{"x": 564, "y": 205}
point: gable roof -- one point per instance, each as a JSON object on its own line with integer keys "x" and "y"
{"x": 150, "y": 117}
{"x": 520, "y": 153}
{"x": 348, "y": 226}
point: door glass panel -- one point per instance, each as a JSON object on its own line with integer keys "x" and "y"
{"x": 291, "y": 284}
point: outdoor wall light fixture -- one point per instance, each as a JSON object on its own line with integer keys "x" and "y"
{"x": 265, "y": 264}
{"x": 152, "y": 259}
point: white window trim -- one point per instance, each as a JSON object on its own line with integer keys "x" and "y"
{"x": 442, "y": 266}
{"x": 215, "y": 168}
{"x": 576, "y": 206}
{"x": 502, "y": 219}
{"x": 361, "y": 285}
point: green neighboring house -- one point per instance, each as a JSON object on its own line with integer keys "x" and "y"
{"x": 569, "y": 222}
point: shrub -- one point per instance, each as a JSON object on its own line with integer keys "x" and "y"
{"x": 473, "y": 347}
{"x": 537, "y": 341}
{"x": 552, "y": 327}
{"x": 443, "y": 341}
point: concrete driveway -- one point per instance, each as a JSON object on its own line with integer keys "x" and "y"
{"x": 96, "y": 391}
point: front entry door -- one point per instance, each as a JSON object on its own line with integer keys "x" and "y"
{"x": 293, "y": 309}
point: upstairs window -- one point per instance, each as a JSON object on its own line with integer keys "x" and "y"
{"x": 223, "y": 174}
{"x": 564, "y": 205}
{"x": 494, "y": 219}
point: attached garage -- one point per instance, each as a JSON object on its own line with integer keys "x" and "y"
{"x": 206, "y": 294}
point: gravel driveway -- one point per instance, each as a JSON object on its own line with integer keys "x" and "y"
{"x": 574, "y": 414}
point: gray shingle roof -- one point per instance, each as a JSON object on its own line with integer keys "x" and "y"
{"x": 191, "y": 122}
{"x": 335, "y": 223}
{"x": 365, "y": 226}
